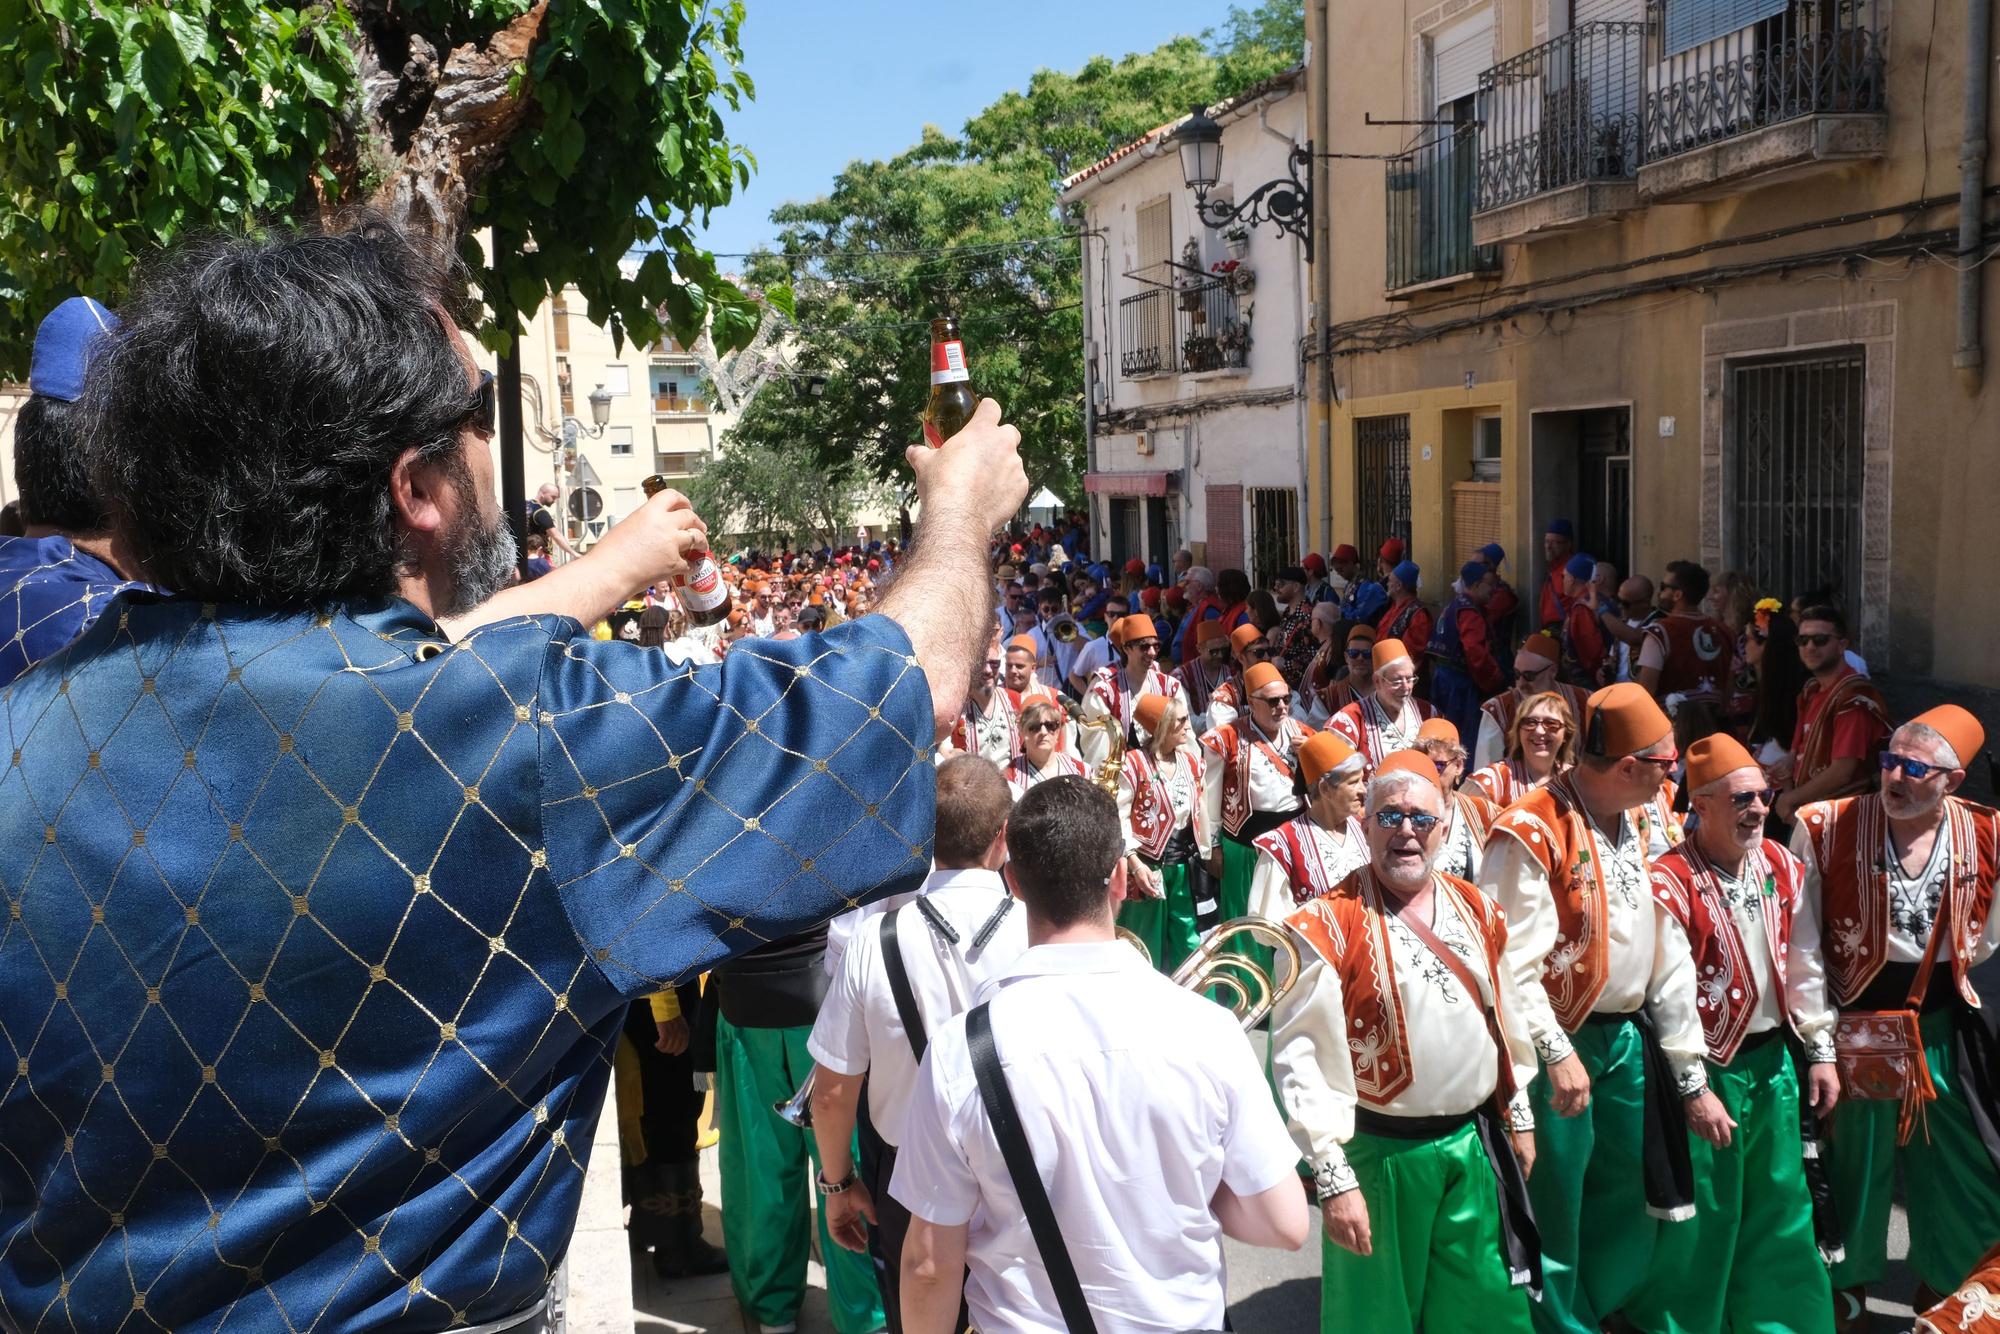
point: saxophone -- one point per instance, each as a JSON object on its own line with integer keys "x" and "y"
{"x": 1106, "y": 774}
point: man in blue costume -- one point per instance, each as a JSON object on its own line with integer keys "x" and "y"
{"x": 320, "y": 929}
{"x": 57, "y": 577}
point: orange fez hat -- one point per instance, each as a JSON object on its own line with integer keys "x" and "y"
{"x": 1026, "y": 643}
{"x": 1149, "y": 711}
{"x": 1438, "y": 729}
{"x": 1542, "y": 644}
{"x": 1622, "y": 720}
{"x": 1411, "y": 762}
{"x": 1387, "y": 651}
{"x": 1134, "y": 627}
{"x": 1362, "y": 631}
{"x": 1243, "y": 636}
{"x": 1959, "y": 728}
{"x": 1324, "y": 753}
{"x": 1716, "y": 757}
{"x": 1261, "y": 674}
{"x": 1209, "y": 632}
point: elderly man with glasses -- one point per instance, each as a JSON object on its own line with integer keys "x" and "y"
{"x": 1535, "y": 667}
{"x": 1113, "y": 690}
{"x": 1387, "y": 719}
{"x": 1608, "y": 990}
{"x": 1903, "y": 880}
{"x": 1249, "y": 782}
{"x": 1403, "y": 1061}
{"x": 1754, "y": 937}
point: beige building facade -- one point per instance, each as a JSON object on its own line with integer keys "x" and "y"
{"x": 1683, "y": 271}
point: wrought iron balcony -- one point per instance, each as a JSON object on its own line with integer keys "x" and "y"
{"x": 1561, "y": 114}
{"x": 1808, "y": 58}
{"x": 1430, "y": 192}
{"x": 1213, "y": 336}
{"x": 1145, "y": 333}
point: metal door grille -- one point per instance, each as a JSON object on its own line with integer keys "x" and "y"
{"x": 1604, "y": 520}
{"x": 1382, "y": 479}
{"x": 1274, "y": 531}
{"x": 1797, "y": 436}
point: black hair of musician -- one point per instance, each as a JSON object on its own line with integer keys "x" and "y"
{"x": 52, "y": 467}
{"x": 1062, "y": 846}
{"x": 1828, "y": 614}
{"x": 973, "y": 801}
{"x": 246, "y": 420}
{"x": 1692, "y": 578}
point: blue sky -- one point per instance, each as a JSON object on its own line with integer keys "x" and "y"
{"x": 838, "y": 82}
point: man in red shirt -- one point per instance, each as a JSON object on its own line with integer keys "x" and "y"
{"x": 1843, "y": 721}
{"x": 1583, "y": 643}
{"x": 1558, "y": 545}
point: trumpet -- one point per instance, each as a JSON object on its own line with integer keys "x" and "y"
{"x": 797, "y": 1110}
{"x": 1249, "y": 984}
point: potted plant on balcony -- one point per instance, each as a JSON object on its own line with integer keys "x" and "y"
{"x": 1237, "y": 240}
{"x": 1237, "y": 276}
{"x": 1232, "y": 346}
{"x": 1199, "y": 352}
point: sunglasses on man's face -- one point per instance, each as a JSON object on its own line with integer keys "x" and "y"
{"x": 1261, "y": 652}
{"x": 1280, "y": 703}
{"x": 1421, "y": 821}
{"x": 1360, "y": 653}
{"x": 1816, "y": 641}
{"x": 482, "y": 409}
{"x": 1916, "y": 769}
{"x": 1742, "y": 801}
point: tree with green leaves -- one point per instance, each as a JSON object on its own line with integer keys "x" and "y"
{"x": 969, "y": 224}
{"x": 574, "y": 129}
{"x": 780, "y": 496}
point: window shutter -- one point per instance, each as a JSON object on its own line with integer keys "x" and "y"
{"x": 1459, "y": 55}
{"x": 1692, "y": 23}
{"x": 1608, "y": 11}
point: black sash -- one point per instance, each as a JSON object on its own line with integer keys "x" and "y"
{"x": 1668, "y": 1166}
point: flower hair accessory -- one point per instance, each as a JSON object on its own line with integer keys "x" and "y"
{"x": 1764, "y": 608}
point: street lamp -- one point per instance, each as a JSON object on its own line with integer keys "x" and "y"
{"x": 600, "y": 417}
{"x": 1285, "y": 202}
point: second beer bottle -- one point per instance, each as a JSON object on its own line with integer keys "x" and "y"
{"x": 952, "y": 399}
{"x": 702, "y": 594}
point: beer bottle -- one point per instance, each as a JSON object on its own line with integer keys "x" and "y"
{"x": 952, "y": 399}
{"x": 700, "y": 591}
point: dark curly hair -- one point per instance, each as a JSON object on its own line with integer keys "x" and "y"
{"x": 246, "y": 420}
{"x": 52, "y": 467}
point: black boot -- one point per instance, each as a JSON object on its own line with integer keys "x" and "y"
{"x": 681, "y": 1252}
{"x": 651, "y": 1198}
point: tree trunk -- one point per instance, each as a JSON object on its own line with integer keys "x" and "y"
{"x": 433, "y": 124}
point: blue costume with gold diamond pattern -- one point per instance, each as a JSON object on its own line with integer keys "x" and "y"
{"x": 320, "y": 934}
{"x": 50, "y": 592}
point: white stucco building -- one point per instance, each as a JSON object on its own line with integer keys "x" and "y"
{"x": 1197, "y": 410}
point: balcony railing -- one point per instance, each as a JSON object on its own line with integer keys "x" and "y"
{"x": 665, "y": 404}
{"x": 1430, "y": 193}
{"x": 1813, "y": 57}
{"x": 1212, "y": 335}
{"x": 1560, "y": 114}
{"x": 1145, "y": 333}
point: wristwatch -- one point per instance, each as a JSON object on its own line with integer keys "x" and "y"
{"x": 826, "y": 1187}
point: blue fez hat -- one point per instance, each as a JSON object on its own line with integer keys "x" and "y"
{"x": 1493, "y": 552}
{"x": 63, "y": 347}
{"x": 1562, "y": 528}
{"x": 1406, "y": 574}
{"x": 1472, "y": 572}
{"x": 1581, "y": 566}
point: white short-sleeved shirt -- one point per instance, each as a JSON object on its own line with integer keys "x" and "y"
{"x": 1093, "y": 655}
{"x": 859, "y": 1030}
{"x": 1139, "y": 1099}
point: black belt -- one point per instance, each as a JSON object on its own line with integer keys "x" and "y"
{"x": 1179, "y": 851}
{"x": 1372, "y": 1122}
{"x": 1601, "y": 1019}
{"x": 1890, "y": 989}
{"x": 1261, "y": 823}
{"x": 1763, "y": 1039}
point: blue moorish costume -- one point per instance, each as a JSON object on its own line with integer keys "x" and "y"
{"x": 50, "y": 592}
{"x": 319, "y": 934}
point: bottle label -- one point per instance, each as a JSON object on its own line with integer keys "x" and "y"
{"x": 703, "y": 589}
{"x": 948, "y": 363}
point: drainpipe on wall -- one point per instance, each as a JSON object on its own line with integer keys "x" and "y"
{"x": 1318, "y": 59}
{"x": 1089, "y": 383}
{"x": 1970, "y": 359}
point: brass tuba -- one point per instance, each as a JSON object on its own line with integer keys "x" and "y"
{"x": 1064, "y": 629}
{"x": 1251, "y": 989}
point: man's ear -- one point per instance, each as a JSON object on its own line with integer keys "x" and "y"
{"x": 416, "y": 488}
{"x": 1007, "y": 874}
{"x": 1117, "y": 884}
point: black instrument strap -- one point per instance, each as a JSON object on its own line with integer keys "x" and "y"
{"x": 899, "y": 987}
{"x": 1020, "y": 1159}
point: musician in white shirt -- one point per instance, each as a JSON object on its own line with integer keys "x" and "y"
{"x": 962, "y": 929}
{"x": 1143, "y": 1108}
